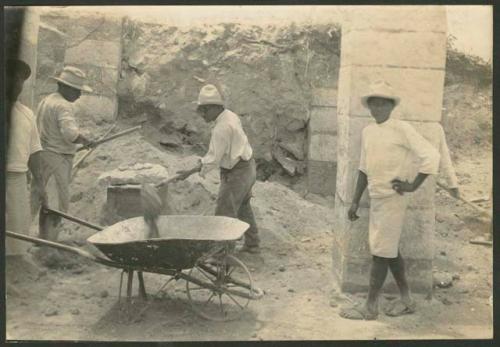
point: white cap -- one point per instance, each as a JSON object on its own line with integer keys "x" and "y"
{"x": 209, "y": 95}
{"x": 380, "y": 89}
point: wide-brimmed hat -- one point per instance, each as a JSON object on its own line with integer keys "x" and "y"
{"x": 380, "y": 89}
{"x": 209, "y": 95}
{"x": 73, "y": 77}
{"x": 18, "y": 66}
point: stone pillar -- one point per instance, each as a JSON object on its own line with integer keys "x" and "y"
{"x": 22, "y": 31}
{"x": 322, "y": 142}
{"x": 405, "y": 46}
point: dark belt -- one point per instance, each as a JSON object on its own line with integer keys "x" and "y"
{"x": 240, "y": 163}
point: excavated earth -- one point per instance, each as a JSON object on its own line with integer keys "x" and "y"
{"x": 63, "y": 297}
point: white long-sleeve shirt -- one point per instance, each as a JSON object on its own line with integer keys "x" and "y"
{"x": 228, "y": 143}
{"x": 57, "y": 125}
{"x": 387, "y": 152}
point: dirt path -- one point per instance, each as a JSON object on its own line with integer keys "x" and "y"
{"x": 294, "y": 270}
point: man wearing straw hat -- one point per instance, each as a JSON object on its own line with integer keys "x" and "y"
{"x": 23, "y": 154}
{"x": 388, "y": 148}
{"x": 230, "y": 151}
{"x": 59, "y": 132}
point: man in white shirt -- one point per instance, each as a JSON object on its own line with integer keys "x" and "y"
{"x": 23, "y": 154}
{"x": 388, "y": 148}
{"x": 60, "y": 134}
{"x": 230, "y": 151}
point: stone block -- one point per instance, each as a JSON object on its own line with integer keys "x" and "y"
{"x": 396, "y": 18}
{"x": 324, "y": 97}
{"x": 100, "y": 108}
{"x": 91, "y": 26}
{"x": 124, "y": 201}
{"x": 95, "y": 53}
{"x": 414, "y": 49}
{"x": 431, "y": 131}
{"x": 322, "y": 147}
{"x": 417, "y": 239}
{"x": 321, "y": 177}
{"x": 322, "y": 120}
{"x": 52, "y": 43}
{"x": 102, "y": 80}
{"x": 421, "y": 91}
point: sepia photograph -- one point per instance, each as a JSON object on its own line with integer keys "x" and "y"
{"x": 248, "y": 173}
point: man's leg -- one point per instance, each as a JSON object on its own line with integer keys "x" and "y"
{"x": 62, "y": 175}
{"x": 246, "y": 215}
{"x": 369, "y": 311}
{"x": 397, "y": 267}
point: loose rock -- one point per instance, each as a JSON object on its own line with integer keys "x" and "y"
{"x": 282, "y": 268}
{"x": 104, "y": 294}
{"x": 75, "y": 311}
{"x": 51, "y": 312}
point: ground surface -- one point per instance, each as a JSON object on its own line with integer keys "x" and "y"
{"x": 75, "y": 299}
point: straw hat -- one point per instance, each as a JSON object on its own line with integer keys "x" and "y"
{"x": 380, "y": 89}
{"x": 73, "y": 77}
{"x": 209, "y": 95}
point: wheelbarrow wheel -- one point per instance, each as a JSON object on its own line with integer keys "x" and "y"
{"x": 221, "y": 289}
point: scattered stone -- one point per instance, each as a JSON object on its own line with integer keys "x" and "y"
{"x": 464, "y": 291}
{"x": 291, "y": 290}
{"x": 77, "y": 271}
{"x": 305, "y": 239}
{"x": 390, "y": 297}
{"x": 470, "y": 268}
{"x": 76, "y": 197}
{"x": 87, "y": 295}
{"x": 456, "y": 277}
{"x": 51, "y": 312}
{"x": 104, "y": 294}
{"x": 443, "y": 253}
{"x": 75, "y": 311}
{"x": 333, "y": 304}
{"x": 445, "y": 301}
{"x": 282, "y": 268}
{"x": 443, "y": 280}
{"x": 104, "y": 157}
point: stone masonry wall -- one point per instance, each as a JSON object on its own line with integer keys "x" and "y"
{"x": 409, "y": 52}
{"x": 90, "y": 43}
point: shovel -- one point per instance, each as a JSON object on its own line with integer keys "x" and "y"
{"x": 112, "y": 137}
{"x": 152, "y": 204}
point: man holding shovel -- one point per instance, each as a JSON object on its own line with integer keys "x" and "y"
{"x": 59, "y": 133}
{"x": 230, "y": 151}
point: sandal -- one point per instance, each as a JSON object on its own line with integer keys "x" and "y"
{"x": 399, "y": 308}
{"x": 358, "y": 312}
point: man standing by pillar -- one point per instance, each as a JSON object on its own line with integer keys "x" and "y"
{"x": 230, "y": 151}
{"x": 23, "y": 153}
{"x": 59, "y": 132}
{"x": 387, "y": 150}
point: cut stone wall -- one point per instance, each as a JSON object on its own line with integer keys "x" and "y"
{"x": 405, "y": 46}
{"x": 322, "y": 142}
{"x": 92, "y": 44}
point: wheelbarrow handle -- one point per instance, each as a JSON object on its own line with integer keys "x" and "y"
{"x": 71, "y": 218}
{"x": 60, "y": 246}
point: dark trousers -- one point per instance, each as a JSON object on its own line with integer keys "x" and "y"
{"x": 234, "y": 197}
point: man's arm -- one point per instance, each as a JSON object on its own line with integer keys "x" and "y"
{"x": 361, "y": 184}
{"x": 446, "y": 165}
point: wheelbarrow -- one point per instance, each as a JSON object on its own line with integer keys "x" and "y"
{"x": 196, "y": 249}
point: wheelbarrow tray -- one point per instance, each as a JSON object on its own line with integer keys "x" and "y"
{"x": 183, "y": 240}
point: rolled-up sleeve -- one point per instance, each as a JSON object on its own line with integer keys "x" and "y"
{"x": 67, "y": 125}
{"x": 428, "y": 156}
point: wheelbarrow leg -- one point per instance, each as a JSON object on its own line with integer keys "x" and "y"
{"x": 129, "y": 285}
{"x": 142, "y": 288}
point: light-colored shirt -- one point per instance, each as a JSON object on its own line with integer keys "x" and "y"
{"x": 446, "y": 169}
{"x": 23, "y": 138}
{"x": 388, "y": 151}
{"x": 228, "y": 143}
{"x": 57, "y": 125}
